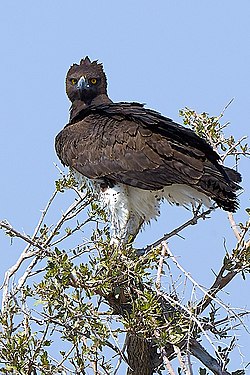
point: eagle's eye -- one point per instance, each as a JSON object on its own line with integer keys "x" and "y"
{"x": 73, "y": 81}
{"x": 93, "y": 81}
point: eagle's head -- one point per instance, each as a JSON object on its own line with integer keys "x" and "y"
{"x": 85, "y": 81}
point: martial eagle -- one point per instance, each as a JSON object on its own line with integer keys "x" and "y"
{"x": 135, "y": 157}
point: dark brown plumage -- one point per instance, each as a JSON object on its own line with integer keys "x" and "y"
{"x": 128, "y": 144}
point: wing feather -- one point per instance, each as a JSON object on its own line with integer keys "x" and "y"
{"x": 104, "y": 147}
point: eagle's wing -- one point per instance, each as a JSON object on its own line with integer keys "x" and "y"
{"x": 130, "y": 144}
{"x": 125, "y": 150}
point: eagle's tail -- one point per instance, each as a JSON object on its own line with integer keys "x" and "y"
{"x": 221, "y": 185}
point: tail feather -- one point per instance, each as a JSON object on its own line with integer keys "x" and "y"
{"x": 221, "y": 187}
{"x": 233, "y": 175}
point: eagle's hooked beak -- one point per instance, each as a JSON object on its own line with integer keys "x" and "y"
{"x": 82, "y": 85}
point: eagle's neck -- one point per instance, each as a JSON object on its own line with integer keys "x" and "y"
{"x": 79, "y": 105}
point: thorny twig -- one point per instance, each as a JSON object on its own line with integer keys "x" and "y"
{"x": 205, "y": 292}
{"x": 233, "y": 226}
{"x": 192, "y": 221}
{"x": 40, "y": 244}
{"x": 192, "y": 318}
{"x": 160, "y": 268}
{"x": 232, "y": 148}
{"x": 186, "y": 370}
{"x": 223, "y": 279}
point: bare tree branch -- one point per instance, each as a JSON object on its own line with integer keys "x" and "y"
{"x": 166, "y": 362}
{"x": 199, "y": 352}
{"x": 193, "y": 221}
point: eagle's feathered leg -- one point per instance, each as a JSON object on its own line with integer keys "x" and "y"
{"x": 125, "y": 223}
{"x": 126, "y": 220}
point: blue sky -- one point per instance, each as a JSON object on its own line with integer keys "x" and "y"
{"x": 167, "y": 54}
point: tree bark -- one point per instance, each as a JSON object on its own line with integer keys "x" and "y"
{"x": 139, "y": 356}
{"x": 144, "y": 356}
